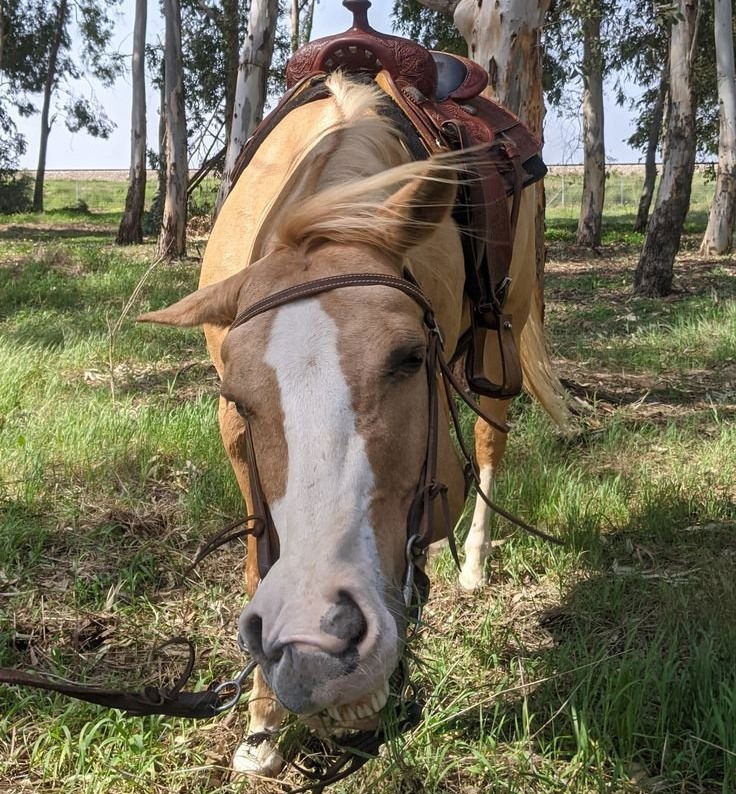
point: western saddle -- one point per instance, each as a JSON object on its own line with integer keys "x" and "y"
{"x": 435, "y": 99}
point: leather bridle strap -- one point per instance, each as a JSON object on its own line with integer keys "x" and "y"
{"x": 309, "y": 289}
{"x": 419, "y": 520}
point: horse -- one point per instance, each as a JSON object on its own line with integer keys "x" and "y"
{"x": 332, "y": 390}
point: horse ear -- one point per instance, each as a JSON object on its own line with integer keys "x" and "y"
{"x": 420, "y": 205}
{"x": 216, "y": 304}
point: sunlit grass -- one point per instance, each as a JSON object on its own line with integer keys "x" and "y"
{"x": 605, "y": 665}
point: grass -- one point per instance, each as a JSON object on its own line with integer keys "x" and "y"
{"x": 603, "y": 666}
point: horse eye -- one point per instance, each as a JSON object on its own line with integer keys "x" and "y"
{"x": 241, "y": 408}
{"x": 405, "y": 361}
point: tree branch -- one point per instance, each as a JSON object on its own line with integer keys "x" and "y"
{"x": 214, "y": 14}
{"x": 443, "y": 6}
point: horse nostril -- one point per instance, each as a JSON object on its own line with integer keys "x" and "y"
{"x": 250, "y": 633}
{"x": 345, "y": 620}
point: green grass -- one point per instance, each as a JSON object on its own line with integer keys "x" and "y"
{"x": 603, "y": 666}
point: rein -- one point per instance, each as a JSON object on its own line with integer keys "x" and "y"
{"x": 174, "y": 700}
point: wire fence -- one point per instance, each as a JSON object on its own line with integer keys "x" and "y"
{"x": 103, "y": 191}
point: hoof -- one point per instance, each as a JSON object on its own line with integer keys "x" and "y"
{"x": 471, "y": 580}
{"x": 260, "y": 758}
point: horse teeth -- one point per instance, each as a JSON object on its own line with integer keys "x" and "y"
{"x": 364, "y": 711}
{"x": 334, "y": 712}
{"x": 348, "y": 714}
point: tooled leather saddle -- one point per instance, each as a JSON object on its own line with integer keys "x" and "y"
{"x": 436, "y": 102}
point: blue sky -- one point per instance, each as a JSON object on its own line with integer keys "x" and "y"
{"x": 82, "y": 151}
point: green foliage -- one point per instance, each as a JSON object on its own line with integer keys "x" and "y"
{"x": 16, "y": 193}
{"x": 433, "y": 29}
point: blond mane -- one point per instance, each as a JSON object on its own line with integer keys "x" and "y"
{"x": 339, "y": 187}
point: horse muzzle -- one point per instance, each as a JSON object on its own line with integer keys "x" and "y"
{"x": 321, "y": 650}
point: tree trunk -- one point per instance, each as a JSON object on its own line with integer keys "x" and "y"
{"x": 172, "y": 240}
{"x": 231, "y": 36}
{"x": 718, "y": 238}
{"x": 48, "y": 88}
{"x": 294, "y": 26}
{"x": 504, "y": 37}
{"x": 130, "y": 230}
{"x": 594, "y": 150}
{"x": 250, "y": 95}
{"x": 2, "y": 34}
{"x": 650, "y": 160}
{"x": 306, "y": 26}
{"x": 653, "y": 275}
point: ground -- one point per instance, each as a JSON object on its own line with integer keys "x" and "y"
{"x": 603, "y": 666}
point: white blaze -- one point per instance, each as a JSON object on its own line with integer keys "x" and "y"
{"x": 329, "y": 479}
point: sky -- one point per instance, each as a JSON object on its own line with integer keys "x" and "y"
{"x": 80, "y": 150}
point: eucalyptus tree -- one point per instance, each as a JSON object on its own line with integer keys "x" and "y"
{"x": 654, "y": 271}
{"x": 172, "y": 238}
{"x": 301, "y": 17}
{"x": 638, "y": 55}
{"x": 131, "y": 230}
{"x": 89, "y": 23}
{"x": 594, "y": 149}
{"x": 718, "y": 238}
{"x": 22, "y": 30}
{"x": 577, "y": 50}
{"x": 250, "y": 95}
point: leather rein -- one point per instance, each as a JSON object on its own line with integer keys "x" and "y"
{"x": 177, "y": 702}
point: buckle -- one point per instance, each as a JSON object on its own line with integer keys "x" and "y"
{"x": 433, "y": 328}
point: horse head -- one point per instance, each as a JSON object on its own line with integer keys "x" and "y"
{"x": 333, "y": 391}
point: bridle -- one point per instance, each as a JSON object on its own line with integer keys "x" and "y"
{"x": 429, "y": 489}
{"x": 174, "y": 700}
{"x": 419, "y": 519}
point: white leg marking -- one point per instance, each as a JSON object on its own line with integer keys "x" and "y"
{"x": 477, "y": 544}
{"x": 262, "y": 759}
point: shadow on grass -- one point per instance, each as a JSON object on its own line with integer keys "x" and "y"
{"x": 46, "y": 234}
{"x": 639, "y": 677}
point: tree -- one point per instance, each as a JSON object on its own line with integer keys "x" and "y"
{"x": 504, "y": 36}
{"x": 250, "y": 95}
{"x": 594, "y": 150}
{"x": 172, "y": 241}
{"x": 60, "y": 68}
{"x": 653, "y": 275}
{"x": 131, "y": 230}
{"x": 301, "y": 17}
{"x": 431, "y": 26}
{"x": 654, "y": 132}
{"x": 718, "y": 238}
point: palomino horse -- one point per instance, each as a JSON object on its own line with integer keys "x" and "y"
{"x": 334, "y": 393}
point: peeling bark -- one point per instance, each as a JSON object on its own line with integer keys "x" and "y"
{"x": 718, "y": 238}
{"x": 654, "y": 272}
{"x": 594, "y": 150}
{"x": 231, "y": 36}
{"x": 172, "y": 242}
{"x": 131, "y": 231}
{"x": 250, "y": 95}
{"x": 650, "y": 160}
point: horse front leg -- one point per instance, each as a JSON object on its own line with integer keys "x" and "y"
{"x": 258, "y": 753}
{"x": 490, "y": 445}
